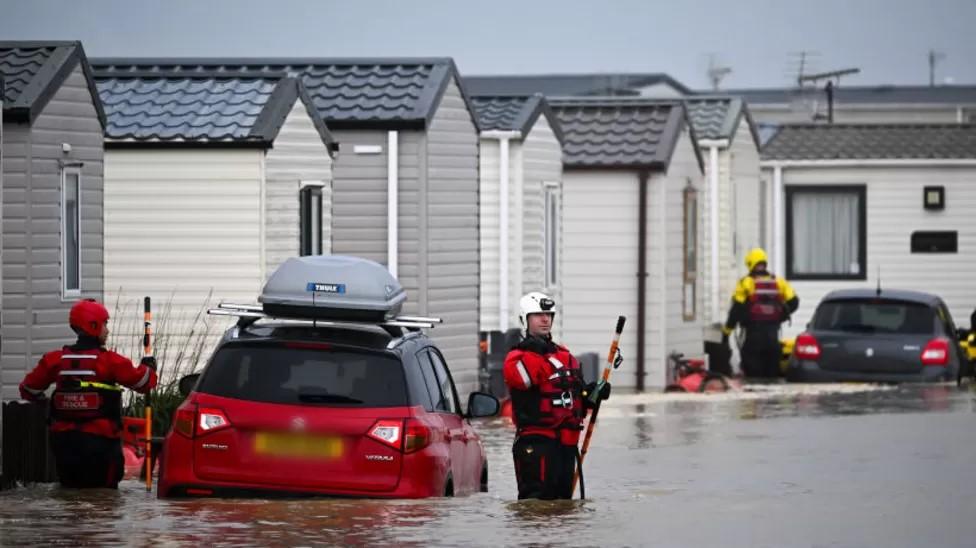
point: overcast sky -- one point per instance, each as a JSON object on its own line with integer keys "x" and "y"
{"x": 760, "y": 40}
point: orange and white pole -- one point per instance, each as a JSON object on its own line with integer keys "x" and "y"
{"x": 595, "y": 396}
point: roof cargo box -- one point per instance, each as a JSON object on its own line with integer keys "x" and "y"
{"x": 332, "y": 287}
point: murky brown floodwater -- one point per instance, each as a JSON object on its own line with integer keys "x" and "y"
{"x": 785, "y": 466}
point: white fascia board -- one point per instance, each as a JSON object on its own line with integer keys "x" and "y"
{"x": 499, "y": 134}
{"x": 713, "y": 143}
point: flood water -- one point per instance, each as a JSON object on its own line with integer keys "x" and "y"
{"x": 842, "y": 465}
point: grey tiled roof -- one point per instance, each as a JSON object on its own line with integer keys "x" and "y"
{"x": 247, "y": 108}
{"x": 871, "y": 142}
{"x": 718, "y": 117}
{"x": 951, "y": 94}
{"x": 616, "y": 133}
{"x": 19, "y": 66}
{"x": 33, "y": 72}
{"x": 354, "y": 93}
{"x": 606, "y": 84}
{"x": 513, "y": 113}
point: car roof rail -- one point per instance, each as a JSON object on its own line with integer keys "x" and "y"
{"x": 247, "y": 314}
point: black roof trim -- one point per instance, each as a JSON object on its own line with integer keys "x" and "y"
{"x": 387, "y": 125}
{"x": 103, "y": 62}
{"x": 188, "y": 144}
{"x": 189, "y": 75}
{"x": 272, "y": 116}
{"x": 651, "y": 166}
{"x": 432, "y": 94}
{"x": 279, "y": 105}
{"x": 330, "y": 141}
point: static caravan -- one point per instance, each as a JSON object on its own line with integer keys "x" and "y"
{"x": 52, "y": 248}
{"x": 211, "y": 181}
{"x": 855, "y": 203}
{"x": 520, "y": 206}
{"x": 632, "y": 182}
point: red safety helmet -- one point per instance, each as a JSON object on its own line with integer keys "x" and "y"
{"x": 87, "y": 317}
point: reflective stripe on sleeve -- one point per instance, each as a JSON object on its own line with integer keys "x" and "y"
{"x": 556, "y": 363}
{"x": 525, "y": 374}
{"x": 31, "y": 391}
{"x": 142, "y": 382}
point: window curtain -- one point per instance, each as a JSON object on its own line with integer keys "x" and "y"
{"x": 825, "y": 233}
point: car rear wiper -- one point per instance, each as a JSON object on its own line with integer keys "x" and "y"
{"x": 322, "y": 397}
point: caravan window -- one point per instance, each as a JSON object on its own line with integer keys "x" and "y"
{"x": 311, "y": 220}
{"x": 552, "y": 233}
{"x": 826, "y": 232}
{"x": 71, "y": 232}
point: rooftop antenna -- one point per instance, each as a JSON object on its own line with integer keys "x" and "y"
{"x": 800, "y": 62}
{"x": 833, "y": 80}
{"x": 934, "y": 58}
{"x": 716, "y": 72}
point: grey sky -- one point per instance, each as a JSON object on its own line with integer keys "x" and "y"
{"x": 888, "y": 39}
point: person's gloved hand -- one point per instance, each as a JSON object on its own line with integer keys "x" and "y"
{"x": 591, "y": 388}
{"x": 725, "y": 335}
{"x": 148, "y": 361}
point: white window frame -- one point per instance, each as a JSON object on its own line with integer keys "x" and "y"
{"x": 310, "y": 187}
{"x": 551, "y": 228}
{"x": 66, "y": 292}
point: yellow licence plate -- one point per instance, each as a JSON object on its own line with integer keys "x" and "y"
{"x": 297, "y": 445}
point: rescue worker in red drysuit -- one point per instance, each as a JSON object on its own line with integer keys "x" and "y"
{"x": 86, "y": 405}
{"x": 761, "y": 303}
{"x": 549, "y": 402}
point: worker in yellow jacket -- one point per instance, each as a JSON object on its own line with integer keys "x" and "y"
{"x": 761, "y": 303}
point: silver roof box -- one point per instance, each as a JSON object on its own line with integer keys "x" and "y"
{"x": 332, "y": 287}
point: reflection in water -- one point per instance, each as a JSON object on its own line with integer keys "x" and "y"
{"x": 652, "y": 462}
{"x": 643, "y": 427}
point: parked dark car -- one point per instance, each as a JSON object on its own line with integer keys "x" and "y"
{"x": 879, "y": 336}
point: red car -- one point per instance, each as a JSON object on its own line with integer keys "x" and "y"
{"x": 290, "y": 407}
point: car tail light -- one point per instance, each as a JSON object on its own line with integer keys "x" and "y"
{"x": 417, "y": 436}
{"x": 184, "y": 419}
{"x": 936, "y": 352}
{"x": 211, "y": 420}
{"x": 806, "y": 347}
{"x": 387, "y": 432}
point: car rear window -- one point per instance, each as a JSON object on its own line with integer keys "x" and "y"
{"x": 873, "y": 315}
{"x": 303, "y": 374}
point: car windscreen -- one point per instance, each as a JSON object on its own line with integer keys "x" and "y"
{"x": 305, "y": 374}
{"x": 875, "y": 316}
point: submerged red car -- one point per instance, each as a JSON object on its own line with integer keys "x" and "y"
{"x": 286, "y": 408}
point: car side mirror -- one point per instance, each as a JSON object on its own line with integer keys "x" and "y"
{"x": 187, "y": 383}
{"x": 481, "y": 404}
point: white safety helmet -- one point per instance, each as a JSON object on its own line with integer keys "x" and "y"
{"x": 535, "y": 303}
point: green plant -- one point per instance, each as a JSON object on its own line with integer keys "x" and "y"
{"x": 180, "y": 344}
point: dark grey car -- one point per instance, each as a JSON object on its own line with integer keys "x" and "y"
{"x": 879, "y": 336}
